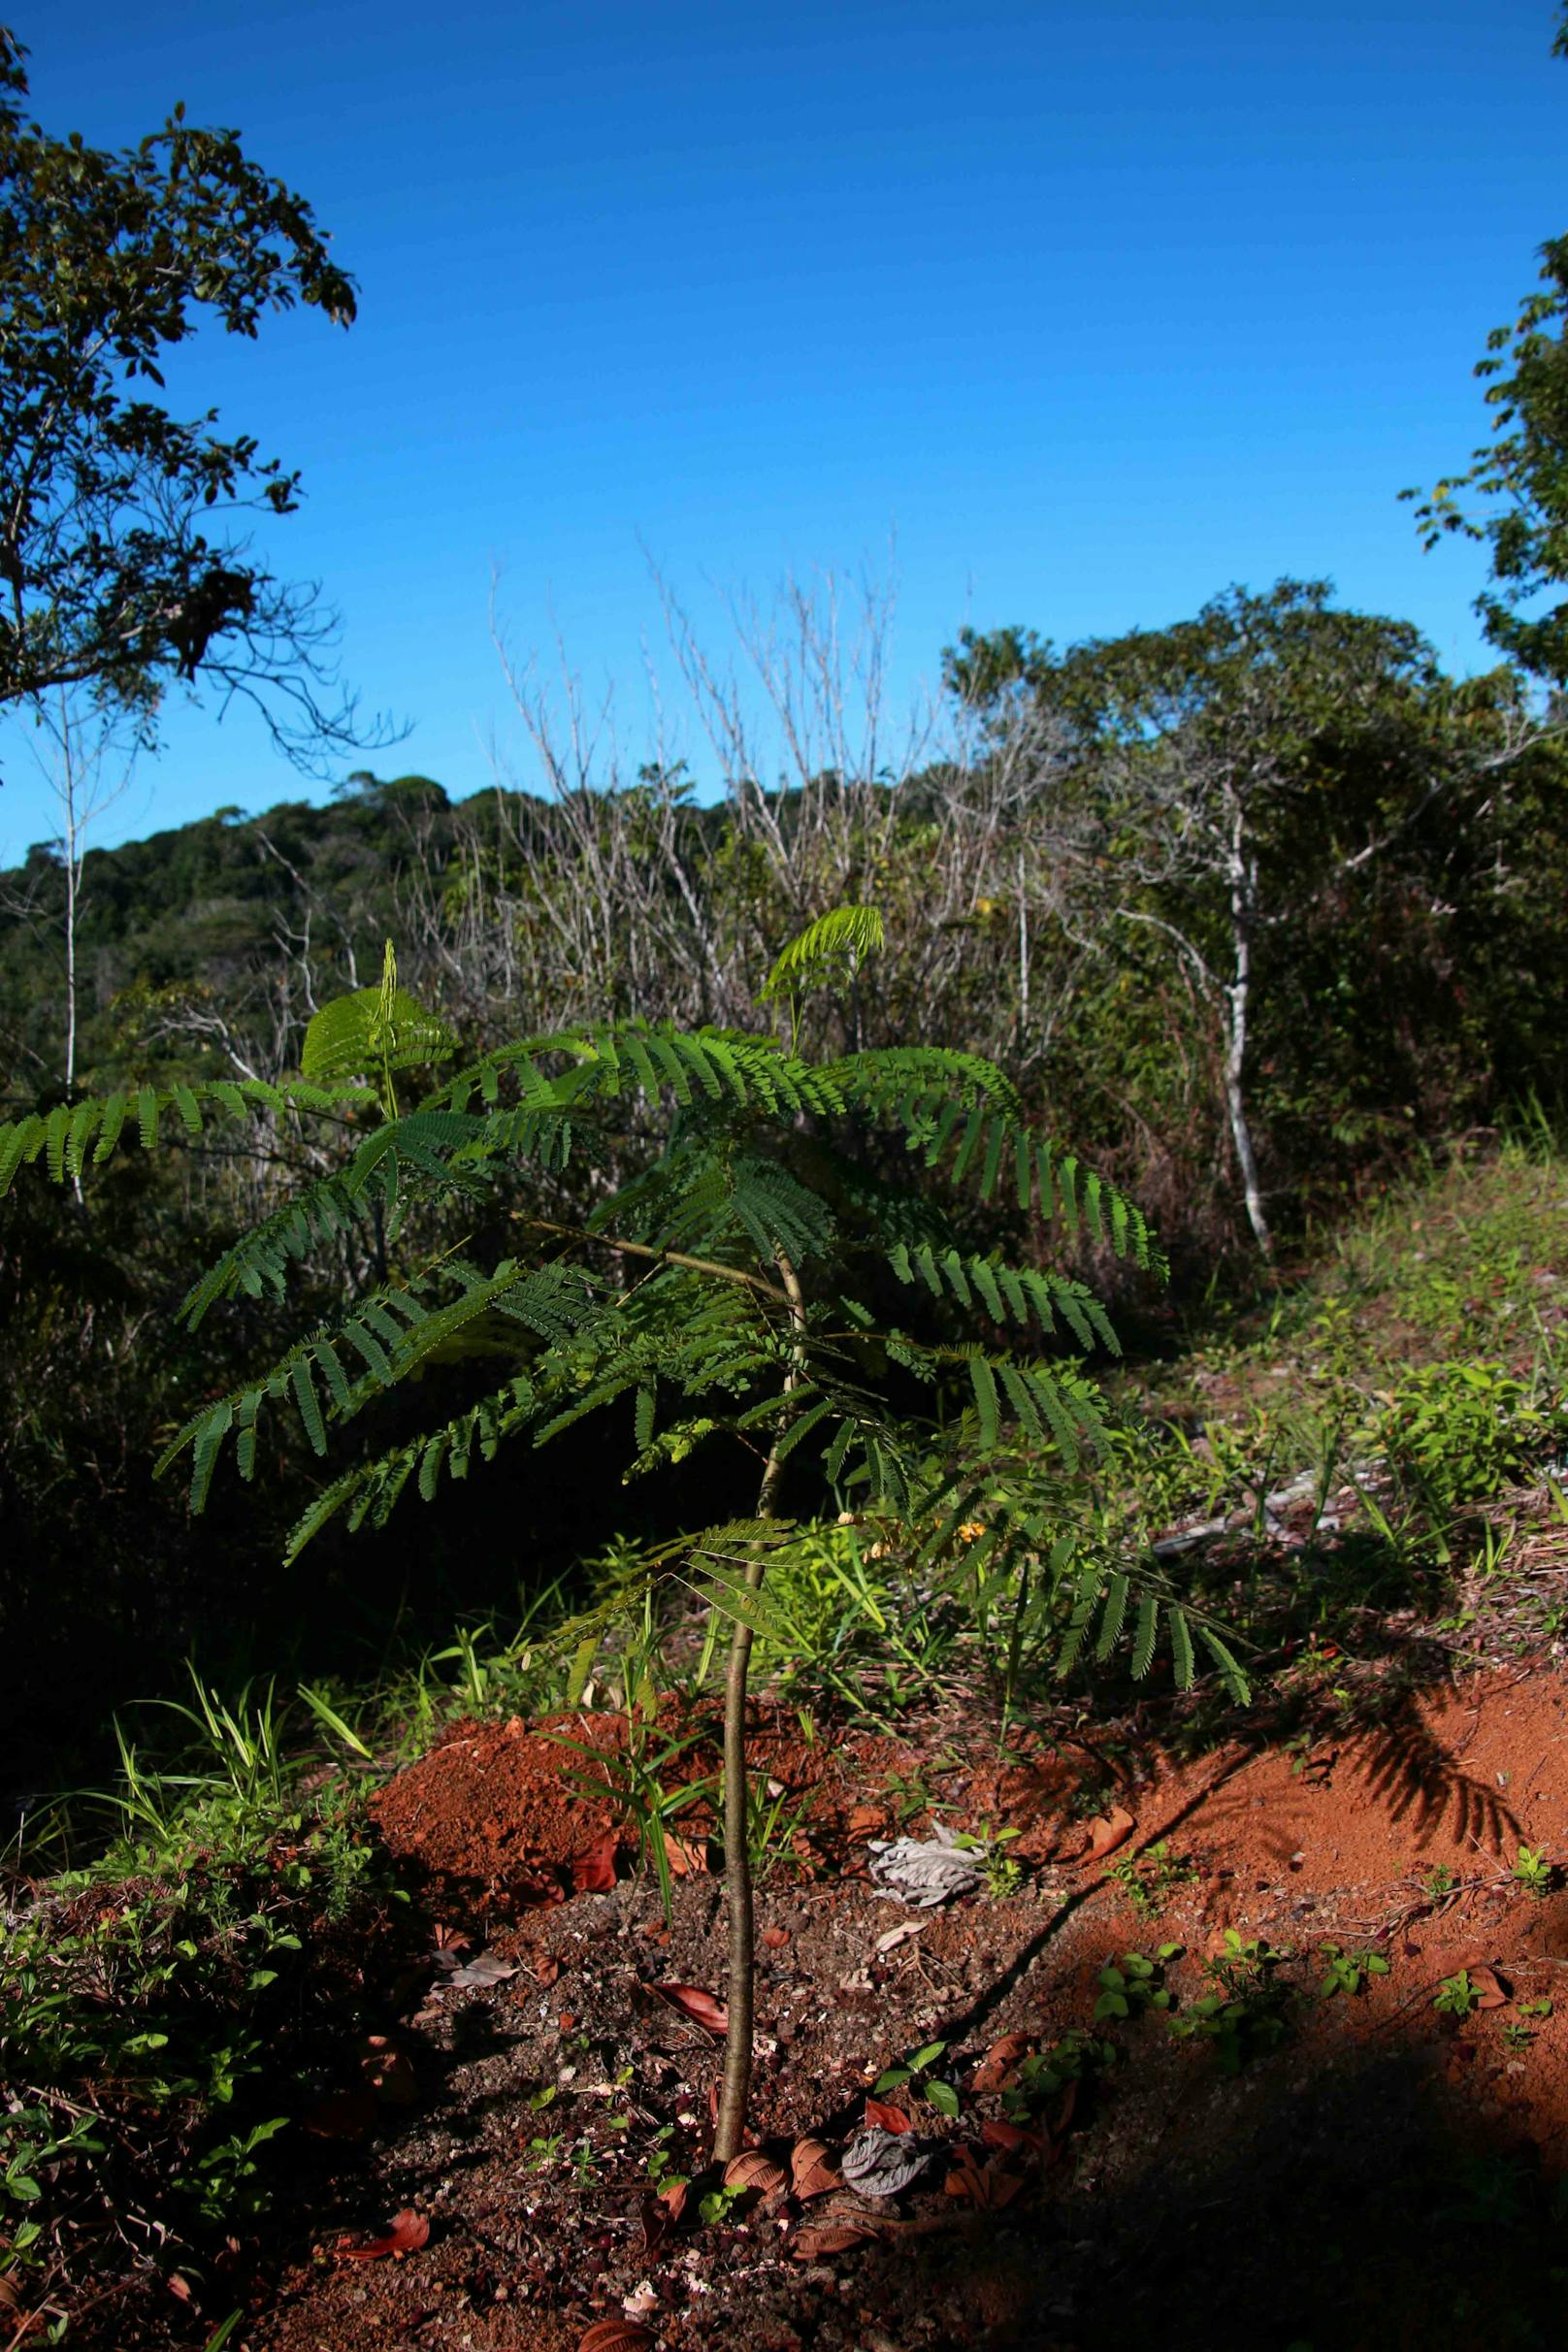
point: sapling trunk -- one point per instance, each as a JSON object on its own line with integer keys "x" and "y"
{"x": 734, "y": 2089}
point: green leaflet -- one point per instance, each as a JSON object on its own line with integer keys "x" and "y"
{"x": 1143, "y": 1639}
{"x": 987, "y": 1404}
{"x": 1110, "y": 1626}
{"x": 1236, "y": 1685}
{"x": 1181, "y": 1647}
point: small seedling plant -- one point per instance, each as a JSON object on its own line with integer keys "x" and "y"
{"x": 1004, "y": 1873}
{"x": 1246, "y": 2012}
{"x": 1134, "y": 1983}
{"x": 741, "y": 1271}
{"x": 1521, "y": 2031}
{"x": 1534, "y": 1872}
{"x": 1348, "y": 1973}
{"x": 917, "y": 2077}
{"x": 1041, "y": 2079}
{"x": 1150, "y": 1879}
{"x": 1457, "y": 1996}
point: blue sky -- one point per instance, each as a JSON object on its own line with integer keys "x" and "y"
{"x": 1096, "y": 308}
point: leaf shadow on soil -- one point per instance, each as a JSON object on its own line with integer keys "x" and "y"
{"x": 1355, "y": 2208}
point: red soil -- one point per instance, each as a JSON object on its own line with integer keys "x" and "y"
{"x": 1182, "y": 2206}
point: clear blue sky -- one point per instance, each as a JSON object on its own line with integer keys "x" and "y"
{"x": 1099, "y": 309}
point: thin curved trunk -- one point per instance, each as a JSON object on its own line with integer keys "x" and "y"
{"x": 741, "y": 1974}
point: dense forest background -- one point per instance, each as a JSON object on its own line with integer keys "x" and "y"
{"x": 1252, "y": 909}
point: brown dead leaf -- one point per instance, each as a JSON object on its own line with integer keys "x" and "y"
{"x": 407, "y": 2233}
{"x": 775, "y": 1937}
{"x": 989, "y": 2186}
{"x": 546, "y": 1968}
{"x": 615, "y": 2335}
{"x": 687, "y": 1857}
{"x": 1491, "y": 1990}
{"x": 890, "y": 2118}
{"x": 1108, "y": 1830}
{"x": 813, "y": 2171}
{"x": 758, "y": 2174}
{"x": 999, "y": 2062}
{"x": 1011, "y": 2137}
{"x": 809, "y": 2244}
{"x": 692, "y": 2002}
{"x": 592, "y": 1871}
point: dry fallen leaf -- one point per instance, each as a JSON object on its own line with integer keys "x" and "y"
{"x": 880, "y": 2116}
{"x": 999, "y": 2062}
{"x": 880, "y": 2162}
{"x": 775, "y": 1937}
{"x": 813, "y": 2171}
{"x": 896, "y": 1936}
{"x": 754, "y": 2171}
{"x": 615, "y": 2335}
{"x": 1491, "y": 1991}
{"x": 691, "y": 2000}
{"x": 407, "y": 2233}
{"x": 687, "y": 1857}
{"x": 925, "y": 1872}
{"x": 479, "y": 1974}
{"x": 1011, "y": 2137}
{"x": 593, "y": 1872}
{"x": 1108, "y": 1830}
{"x": 808, "y": 2244}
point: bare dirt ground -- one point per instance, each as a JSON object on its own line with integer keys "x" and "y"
{"x": 1376, "y": 2171}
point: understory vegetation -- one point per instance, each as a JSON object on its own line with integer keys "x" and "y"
{"x": 1360, "y": 1475}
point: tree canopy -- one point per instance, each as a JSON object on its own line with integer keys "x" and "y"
{"x": 121, "y": 568}
{"x": 1513, "y": 495}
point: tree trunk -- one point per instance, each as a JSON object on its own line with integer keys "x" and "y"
{"x": 1243, "y": 894}
{"x": 741, "y": 1974}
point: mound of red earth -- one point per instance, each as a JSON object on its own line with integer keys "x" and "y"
{"x": 529, "y": 1813}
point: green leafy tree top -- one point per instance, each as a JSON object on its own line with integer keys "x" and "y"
{"x": 1513, "y": 497}
{"x": 116, "y": 572}
{"x": 778, "y": 1248}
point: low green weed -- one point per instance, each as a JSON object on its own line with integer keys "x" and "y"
{"x": 1457, "y": 1996}
{"x": 1246, "y": 2012}
{"x": 1044, "y": 2075}
{"x": 1460, "y": 1430}
{"x": 1150, "y": 1879}
{"x": 916, "y": 2074}
{"x": 1534, "y": 1872}
{"x": 1134, "y": 1983}
{"x": 1347, "y": 1972}
{"x": 1004, "y": 1874}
